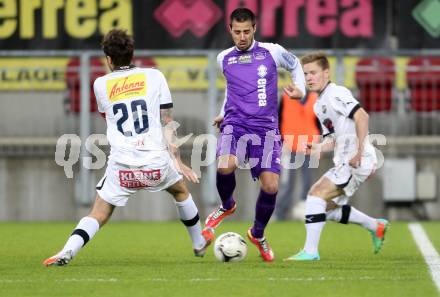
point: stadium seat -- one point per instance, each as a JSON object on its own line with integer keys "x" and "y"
{"x": 144, "y": 62}
{"x": 73, "y": 83}
{"x": 375, "y": 79}
{"x": 423, "y": 77}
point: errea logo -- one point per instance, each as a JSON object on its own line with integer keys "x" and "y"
{"x": 261, "y": 85}
{"x": 262, "y": 71}
{"x": 232, "y": 60}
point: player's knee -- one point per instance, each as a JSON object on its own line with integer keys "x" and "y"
{"x": 270, "y": 188}
{"x": 317, "y": 192}
{"x": 331, "y": 205}
{"x": 179, "y": 191}
{"x": 226, "y": 170}
{"x": 181, "y": 196}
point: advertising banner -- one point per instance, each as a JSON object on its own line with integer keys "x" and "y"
{"x": 203, "y": 24}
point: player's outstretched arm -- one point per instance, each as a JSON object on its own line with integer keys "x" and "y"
{"x": 219, "y": 119}
{"x": 361, "y": 120}
{"x": 314, "y": 148}
{"x": 170, "y": 134}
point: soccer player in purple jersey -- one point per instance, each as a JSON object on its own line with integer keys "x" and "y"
{"x": 248, "y": 122}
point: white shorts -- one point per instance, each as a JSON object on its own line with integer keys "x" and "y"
{"x": 120, "y": 181}
{"x": 348, "y": 178}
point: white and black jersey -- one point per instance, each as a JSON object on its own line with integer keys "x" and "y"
{"x": 335, "y": 108}
{"x": 131, "y": 99}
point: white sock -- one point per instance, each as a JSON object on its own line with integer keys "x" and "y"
{"x": 189, "y": 216}
{"x": 315, "y": 221}
{"x": 334, "y": 215}
{"x": 360, "y": 218}
{"x": 354, "y": 216}
{"x": 84, "y": 231}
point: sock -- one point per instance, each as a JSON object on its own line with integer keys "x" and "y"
{"x": 341, "y": 213}
{"x": 315, "y": 221}
{"x": 84, "y": 231}
{"x": 225, "y": 187}
{"x": 189, "y": 215}
{"x": 348, "y": 214}
{"x": 335, "y": 215}
{"x": 263, "y": 211}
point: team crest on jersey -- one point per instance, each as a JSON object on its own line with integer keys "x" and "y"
{"x": 329, "y": 125}
{"x": 324, "y": 108}
{"x": 260, "y": 55}
{"x": 135, "y": 179}
{"x": 232, "y": 60}
{"x": 245, "y": 59}
{"x": 126, "y": 87}
{"x": 262, "y": 71}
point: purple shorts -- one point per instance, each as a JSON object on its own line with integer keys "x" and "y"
{"x": 258, "y": 148}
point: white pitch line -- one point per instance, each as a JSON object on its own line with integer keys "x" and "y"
{"x": 194, "y": 280}
{"x": 290, "y": 279}
{"x": 428, "y": 251}
{"x": 68, "y": 280}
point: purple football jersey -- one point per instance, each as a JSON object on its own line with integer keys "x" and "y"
{"x": 252, "y": 83}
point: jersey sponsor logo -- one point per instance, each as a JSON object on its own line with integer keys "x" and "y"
{"x": 260, "y": 55}
{"x": 261, "y": 85}
{"x": 232, "y": 60}
{"x": 245, "y": 59}
{"x": 261, "y": 90}
{"x": 134, "y": 179}
{"x": 126, "y": 87}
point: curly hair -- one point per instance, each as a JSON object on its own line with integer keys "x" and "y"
{"x": 119, "y": 46}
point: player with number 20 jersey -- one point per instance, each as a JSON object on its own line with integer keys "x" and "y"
{"x": 136, "y": 103}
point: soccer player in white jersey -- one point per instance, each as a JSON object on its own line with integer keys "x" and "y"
{"x": 136, "y": 103}
{"x": 345, "y": 125}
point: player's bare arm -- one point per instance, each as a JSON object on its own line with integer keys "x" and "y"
{"x": 327, "y": 145}
{"x": 217, "y": 121}
{"x": 171, "y": 137}
{"x": 360, "y": 118}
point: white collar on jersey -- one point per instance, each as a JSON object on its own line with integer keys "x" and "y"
{"x": 123, "y": 68}
{"x": 325, "y": 88}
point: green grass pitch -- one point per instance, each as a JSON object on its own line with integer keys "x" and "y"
{"x": 156, "y": 259}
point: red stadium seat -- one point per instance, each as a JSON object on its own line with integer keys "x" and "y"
{"x": 144, "y": 62}
{"x": 375, "y": 79}
{"x": 73, "y": 82}
{"x": 423, "y": 76}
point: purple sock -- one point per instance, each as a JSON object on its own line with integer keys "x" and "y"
{"x": 225, "y": 187}
{"x": 263, "y": 212}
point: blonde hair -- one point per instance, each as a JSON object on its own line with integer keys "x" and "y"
{"x": 318, "y": 57}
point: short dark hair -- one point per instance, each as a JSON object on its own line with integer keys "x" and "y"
{"x": 242, "y": 14}
{"x": 119, "y": 46}
{"x": 318, "y": 57}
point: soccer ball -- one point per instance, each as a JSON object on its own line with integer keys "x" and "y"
{"x": 230, "y": 247}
